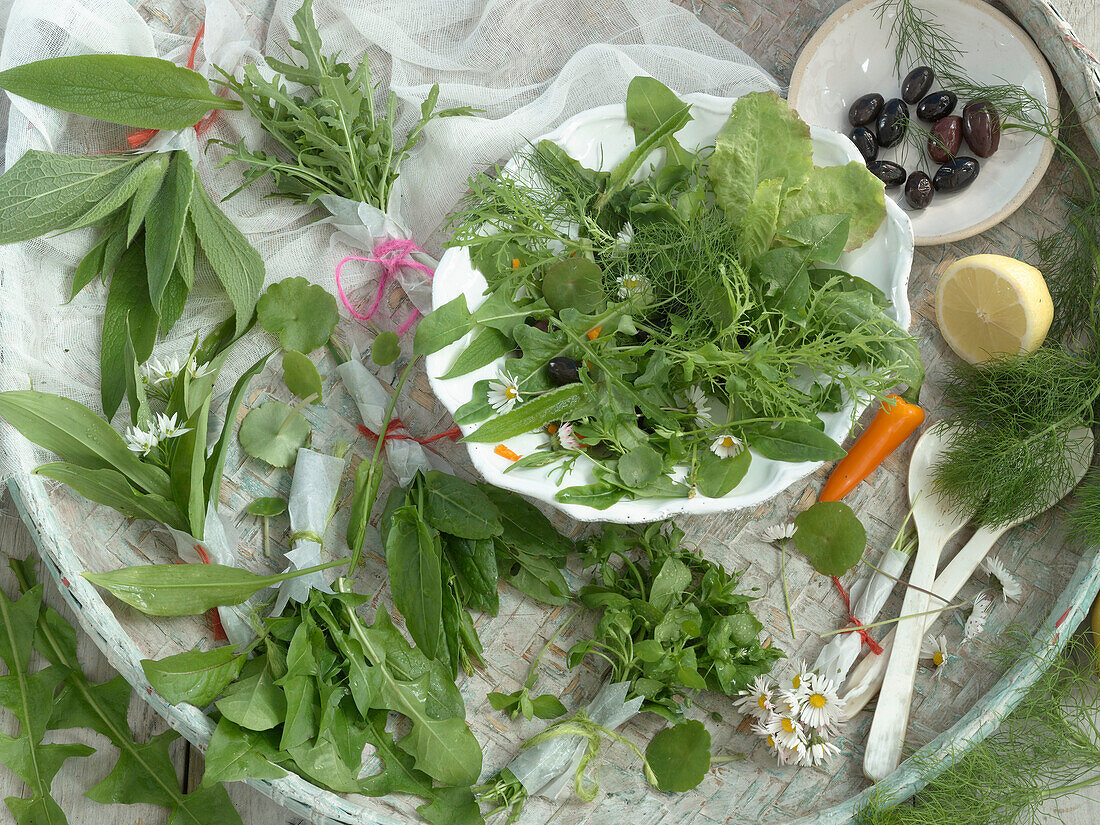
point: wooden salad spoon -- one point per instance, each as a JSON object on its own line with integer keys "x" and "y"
{"x": 866, "y": 677}
{"x": 936, "y": 523}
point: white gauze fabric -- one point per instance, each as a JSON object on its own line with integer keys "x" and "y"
{"x": 528, "y": 64}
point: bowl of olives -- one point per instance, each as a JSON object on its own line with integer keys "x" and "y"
{"x": 944, "y": 152}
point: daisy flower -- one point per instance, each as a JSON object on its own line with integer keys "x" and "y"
{"x": 503, "y": 393}
{"x": 726, "y": 446}
{"x": 819, "y": 752}
{"x": 757, "y": 701}
{"x": 140, "y": 441}
{"x": 935, "y": 648}
{"x": 1010, "y": 585}
{"x": 820, "y": 704}
{"x": 790, "y": 701}
{"x": 625, "y": 236}
{"x": 983, "y": 605}
{"x": 800, "y": 676}
{"x": 167, "y": 427}
{"x": 778, "y": 532}
{"x": 700, "y": 405}
{"x": 632, "y": 285}
{"x": 786, "y": 731}
{"x": 567, "y": 438}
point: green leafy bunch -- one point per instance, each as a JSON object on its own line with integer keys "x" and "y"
{"x": 334, "y": 137}
{"x": 59, "y": 696}
{"x": 671, "y": 622}
{"x": 698, "y": 304}
{"x": 448, "y": 542}
{"x": 314, "y": 689}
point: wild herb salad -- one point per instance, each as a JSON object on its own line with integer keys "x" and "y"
{"x": 675, "y": 319}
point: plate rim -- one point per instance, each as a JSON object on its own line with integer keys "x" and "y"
{"x": 838, "y": 17}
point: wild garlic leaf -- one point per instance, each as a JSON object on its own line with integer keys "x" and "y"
{"x": 166, "y": 222}
{"x": 274, "y": 432}
{"x": 238, "y": 266}
{"x": 831, "y": 536}
{"x": 301, "y": 376}
{"x": 187, "y": 469}
{"x": 105, "y": 486}
{"x": 300, "y": 314}
{"x": 128, "y": 314}
{"x": 143, "y": 92}
{"x": 679, "y": 756}
{"x": 215, "y": 462}
{"x": 44, "y": 192}
{"x": 140, "y": 414}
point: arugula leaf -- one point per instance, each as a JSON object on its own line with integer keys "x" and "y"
{"x": 763, "y": 140}
{"x": 143, "y": 92}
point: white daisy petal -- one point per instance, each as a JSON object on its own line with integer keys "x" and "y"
{"x": 567, "y": 438}
{"x": 998, "y": 572}
{"x": 625, "y": 236}
{"x": 503, "y": 393}
{"x": 700, "y": 405}
{"x": 726, "y": 446}
{"x": 757, "y": 700}
{"x": 979, "y": 614}
{"x": 935, "y": 648}
{"x": 787, "y": 731}
{"x": 632, "y": 285}
{"x": 778, "y": 532}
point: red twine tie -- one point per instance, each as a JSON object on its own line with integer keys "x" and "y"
{"x": 140, "y": 138}
{"x": 857, "y": 625}
{"x": 397, "y": 432}
{"x": 392, "y": 254}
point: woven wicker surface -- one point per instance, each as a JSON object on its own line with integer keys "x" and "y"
{"x": 79, "y": 536}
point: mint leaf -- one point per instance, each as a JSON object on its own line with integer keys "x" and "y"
{"x": 144, "y": 92}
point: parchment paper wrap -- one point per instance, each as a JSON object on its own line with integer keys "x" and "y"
{"x": 868, "y": 597}
{"x": 312, "y": 492}
{"x": 405, "y": 457}
{"x": 220, "y": 547}
{"x": 547, "y": 768}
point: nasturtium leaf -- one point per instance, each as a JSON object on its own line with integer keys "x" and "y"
{"x": 830, "y": 536}
{"x": 574, "y": 282}
{"x": 300, "y": 314}
{"x": 639, "y": 466}
{"x": 834, "y": 190}
{"x": 718, "y": 477}
{"x": 267, "y": 506}
{"x": 679, "y": 756}
{"x": 386, "y": 348}
{"x": 273, "y": 432}
{"x": 301, "y": 376}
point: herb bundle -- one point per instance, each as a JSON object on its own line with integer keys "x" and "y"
{"x": 60, "y": 696}
{"x": 673, "y": 320}
{"x": 448, "y": 542}
{"x": 334, "y": 136}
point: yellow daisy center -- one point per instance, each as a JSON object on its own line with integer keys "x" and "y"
{"x": 771, "y": 740}
{"x": 788, "y": 726}
{"x": 817, "y": 700}
{"x": 510, "y": 392}
{"x": 762, "y": 700}
{"x": 797, "y": 682}
{"x": 728, "y": 442}
{"x": 937, "y": 658}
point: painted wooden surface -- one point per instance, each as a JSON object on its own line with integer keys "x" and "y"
{"x": 773, "y": 36}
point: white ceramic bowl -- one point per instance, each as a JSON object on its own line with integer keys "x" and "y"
{"x": 852, "y": 55}
{"x": 602, "y": 136}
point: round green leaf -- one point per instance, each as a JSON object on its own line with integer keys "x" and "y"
{"x": 300, "y": 314}
{"x": 574, "y": 282}
{"x": 830, "y": 536}
{"x": 640, "y": 466}
{"x": 679, "y": 756}
{"x": 267, "y": 507}
{"x": 301, "y": 376}
{"x": 386, "y": 348}
{"x": 273, "y": 432}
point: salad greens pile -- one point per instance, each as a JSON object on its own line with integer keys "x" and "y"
{"x": 447, "y": 543}
{"x": 675, "y": 319}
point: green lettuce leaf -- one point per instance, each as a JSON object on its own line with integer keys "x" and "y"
{"x": 833, "y": 190}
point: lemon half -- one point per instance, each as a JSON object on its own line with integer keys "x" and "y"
{"x": 989, "y": 305}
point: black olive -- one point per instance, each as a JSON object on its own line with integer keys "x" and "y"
{"x": 945, "y": 138}
{"x": 563, "y": 371}
{"x": 981, "y": 125}
{"x": 919, "y": 190}
{"x": 888, "y": 172}
{"x": 865, "y": 109}
{"x": 956, "y": 175}
{"x": 541, "y": 324}
{"x": 917, "y": 83}
{"x": 937, "y": 105}
{"x": 864, "y": 139}
{"x": 892, "y": 123}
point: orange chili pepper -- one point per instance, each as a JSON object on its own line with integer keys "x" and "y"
{"x": 593, "y": 334}
{"x": 504, "y": 452}
{"x": 892, "y": 424}
{"x": 515, "y": 263}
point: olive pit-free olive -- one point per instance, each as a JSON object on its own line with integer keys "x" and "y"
{"x": 981, "y": 126}
{"x": 917, "y": 84}
{"x": 937, "y": 105}
{"x": 890, "y": 173}
{"x": 864, "y": 139}
{"x": 892, "y": 123}
{"x": 956, "y": 175}
{"x": 865, "y": 109}
{"x": 946, "y": 138}
{"x": 563, "y": 370}
{"x": 919, "y": 190}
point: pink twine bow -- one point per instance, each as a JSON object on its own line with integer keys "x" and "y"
{"x": 392, "y": 254}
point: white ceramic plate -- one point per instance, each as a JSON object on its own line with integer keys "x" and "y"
{"x": 852, "y": 55}
{"x": 602, "y": 137}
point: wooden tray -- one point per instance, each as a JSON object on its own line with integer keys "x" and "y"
{"x": 961, "y": 705}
